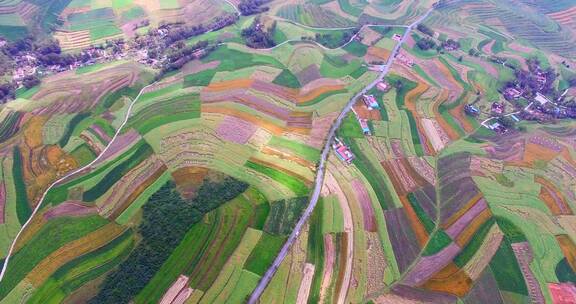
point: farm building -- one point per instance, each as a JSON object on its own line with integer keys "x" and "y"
{"x": 541, "y": 78}
{"x": 405, "y": 60}
{"x": 541, "y": 99}
{"x": 397, "y": 37}
{"x": 343, "y": 152}
{"x": 471, "y": 110}
{"x": 512, "y": 93}
{"x": 383, "y": 86}
{"x": 370, "y": 102}
{"x": 364, "y": 126}
{"x": 497, "y": 108}
{"x": 498, "y": 127}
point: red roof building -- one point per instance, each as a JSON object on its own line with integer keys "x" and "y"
{"x": 383, "y": 86}
{"x": 343, "y": 152}
{"x": 370, "y": 101}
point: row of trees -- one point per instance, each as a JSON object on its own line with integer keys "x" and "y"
{"x": 180, "y": 56}
{"x": 335, "y": 40}
{"x": 166, "y": 218}
{"x": 257, "y": 36}
{"x": 450, "y": 44}
{"x": 252, "y": 7}
{"x": 7, "y": 91}
{"x": 425, "y": 29}
{"x": 426, "y": 44}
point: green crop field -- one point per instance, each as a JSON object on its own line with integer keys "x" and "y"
{"x": 264, "y": 253}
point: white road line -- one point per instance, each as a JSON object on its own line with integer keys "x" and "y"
{"x": 255, "y": 296}
{"x": 5, "y": 266}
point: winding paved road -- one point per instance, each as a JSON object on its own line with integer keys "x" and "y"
{"x": 321, "y": 167}
{"x": 5, "y": 265}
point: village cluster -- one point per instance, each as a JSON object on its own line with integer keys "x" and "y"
{"x": 161, "y": 48}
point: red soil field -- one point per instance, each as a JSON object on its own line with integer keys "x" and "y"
{"x": 71, "y": 94}
{"x": 229, "y": 85}
{"x": 363, "y": 112}
{"x": 423, "y": 169}
{"x": 416, "y": 175}
{"x": 252, "y": 101}
{"x": 428, "y": 266}
{"x": 188, "y": 179}
{"x": 292, "y": 95}
{"x": 533, "y": 152}
{"x": 378, "y": 54}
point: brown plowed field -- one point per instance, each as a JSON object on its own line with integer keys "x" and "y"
{"x": 568, "y": 248}
{"x": 553, "y": 198}
{"x": 469, "y": 232}
{"x": 417, "y": 226}
{"x": 451, "y": 280}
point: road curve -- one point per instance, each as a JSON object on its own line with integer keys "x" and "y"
{"x": 5, "y": 265}
{"x": 255, "y": 296}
